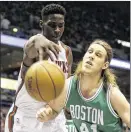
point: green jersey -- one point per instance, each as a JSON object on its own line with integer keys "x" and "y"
{"x": 94, "y": 114}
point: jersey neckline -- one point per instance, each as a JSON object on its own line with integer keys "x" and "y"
{"x": 94, "y": 96}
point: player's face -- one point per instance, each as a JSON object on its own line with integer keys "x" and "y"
{"x": 54, "y": 27}
{"x": 94, "y": 61}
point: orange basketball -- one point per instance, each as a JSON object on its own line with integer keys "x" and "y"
{"x": 44, "y": 81}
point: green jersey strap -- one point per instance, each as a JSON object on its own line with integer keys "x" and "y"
{"x": 69, "y": 83}
{"x": 109, "y": 102}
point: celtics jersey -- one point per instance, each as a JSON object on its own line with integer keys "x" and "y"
{"x": 94, "y": 114}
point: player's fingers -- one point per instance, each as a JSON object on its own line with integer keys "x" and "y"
{"x": 54, "y": 51}
{"x": 39, "y": 119}
{"x": 42, "y": 119}
{"x": 38, "y": 114}
{"x": 49, "y": 54}
{"x": 57, "y": 48}
{"x": 41, "y": 54}
{"x": 41, "y": 114}
{"x": 48, "y": 110}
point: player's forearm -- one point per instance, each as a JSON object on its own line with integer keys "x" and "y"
{"x": 34, "y": 44}
{"x": 57, "y": 104}
{"x": 27, "y": 62}
{"x": 30, "y": 49}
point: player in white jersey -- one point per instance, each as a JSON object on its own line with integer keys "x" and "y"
{"x": 47, "y": 45}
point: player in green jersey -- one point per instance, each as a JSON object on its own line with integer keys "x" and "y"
{"x": 91, "y": 95}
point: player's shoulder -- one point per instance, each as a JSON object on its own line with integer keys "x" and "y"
{"x": 115, "y": 92}
{"x": 65, "y": 46}
{"x": 113, "y": 88}
{"x": 69, "y": 79}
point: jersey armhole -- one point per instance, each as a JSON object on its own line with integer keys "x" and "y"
{"x": 68, "y": 52}
{"x": 109, "y": 103}
{"x": 68, "y": 89}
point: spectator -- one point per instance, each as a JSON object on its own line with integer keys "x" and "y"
{"x": 5, "y": 23}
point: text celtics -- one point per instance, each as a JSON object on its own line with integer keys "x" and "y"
{"x": 87, "y": 113}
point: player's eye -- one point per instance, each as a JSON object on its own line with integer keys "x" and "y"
{"x": 52, "y": 24}
{"x": 61, "y": 25}
{"x": 98, "y": 54}
{"x": 90, "y": 51}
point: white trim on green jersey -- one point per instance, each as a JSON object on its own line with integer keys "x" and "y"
{"x": 109, "y": 103}
{"x": 70, "y": 121}
{"x": 69, "y": 83}
{"x": 94, "y": 96}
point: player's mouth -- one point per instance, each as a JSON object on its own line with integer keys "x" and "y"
{"x": 56, "y": 37}
{"x": 89, "y": 63}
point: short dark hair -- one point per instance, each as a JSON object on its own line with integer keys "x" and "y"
{"x": 53, "y": 9}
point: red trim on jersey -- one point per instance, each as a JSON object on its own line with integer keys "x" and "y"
{"x": 67, "y": 53}
{"x": 66, "y": 49}
{"x": 19, "y": 88}
{"x": 11, "y": 119}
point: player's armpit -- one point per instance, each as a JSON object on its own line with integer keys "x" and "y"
{"x": 67, "y": 114}
{"x": 120, "y": 105}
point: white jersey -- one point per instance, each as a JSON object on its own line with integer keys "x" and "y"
{"x": 22, "y": 115}
{"x": 24, "y": 101}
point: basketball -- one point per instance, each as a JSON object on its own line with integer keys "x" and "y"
{"x": 44, "y": 81}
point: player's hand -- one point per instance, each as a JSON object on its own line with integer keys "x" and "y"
{"x": 44, "y": 114}
{"x": 43, "y": 46}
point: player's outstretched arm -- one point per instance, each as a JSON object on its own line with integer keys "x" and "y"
{"x": 120, "y": 105}
{"x": 39, "y": 46}
{"x": 53, "y": 108}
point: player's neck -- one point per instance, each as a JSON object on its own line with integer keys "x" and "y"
{"x": 88, "y": 82}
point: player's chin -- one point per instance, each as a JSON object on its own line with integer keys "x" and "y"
{"x": 87, "y": 70}
{"x": 55, "y": 39}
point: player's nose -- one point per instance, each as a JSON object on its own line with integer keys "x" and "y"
{"x": 57, "y": 29}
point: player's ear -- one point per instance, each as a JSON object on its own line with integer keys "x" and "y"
{"x": 41, "y": 24}
{"x": 106, "y": 65}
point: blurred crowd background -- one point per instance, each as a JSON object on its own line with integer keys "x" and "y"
{"x": 85, "y": 21}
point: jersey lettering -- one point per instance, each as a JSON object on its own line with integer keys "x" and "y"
{"x": 87, "y": 113}
{"x": 71, "y": 128}
{"x": 63, "y": 65}
{"x": 84, "y": 128}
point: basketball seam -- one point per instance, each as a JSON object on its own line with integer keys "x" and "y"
{"x": 59, "y": 70}
{"x": 51, "y": 79}
{"x": 38, "y": 87}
